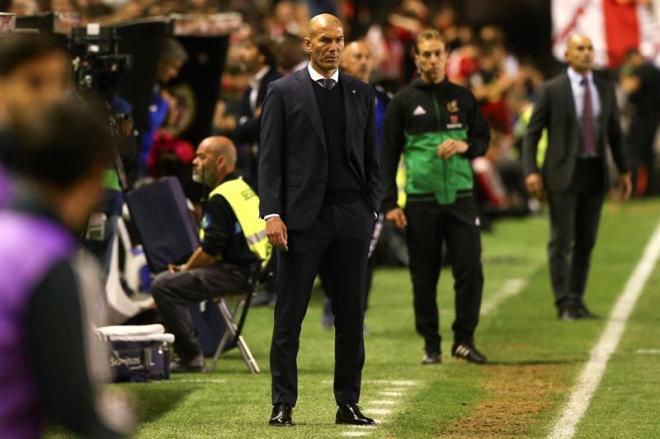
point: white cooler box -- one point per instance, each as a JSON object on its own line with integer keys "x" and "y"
{"x": 138, "y": 353}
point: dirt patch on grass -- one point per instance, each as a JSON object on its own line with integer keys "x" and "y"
{"x": 516, "y": 396}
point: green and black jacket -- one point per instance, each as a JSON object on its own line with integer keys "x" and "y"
{"x": 420, "y": 117}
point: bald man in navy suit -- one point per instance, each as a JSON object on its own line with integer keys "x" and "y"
{"x": 319, "y": 183}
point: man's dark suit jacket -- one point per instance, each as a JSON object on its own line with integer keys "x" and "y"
{"x": 555, "y": 110}
{"x": 248, "y": 131}
{"x": 293, "y": 164}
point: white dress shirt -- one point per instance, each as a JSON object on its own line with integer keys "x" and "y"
{"x": 316, "y": 75}
{"x": 578, "y": 93}
{"x": 255, "y": 83}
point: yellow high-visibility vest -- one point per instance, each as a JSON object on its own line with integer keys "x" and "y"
{"x": 525, "y": 117}
{"x": 245, "y": 204}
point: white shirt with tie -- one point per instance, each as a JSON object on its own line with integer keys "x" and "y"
{"x": 578, "y": 93}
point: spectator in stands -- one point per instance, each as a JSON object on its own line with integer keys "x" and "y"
{"x": 258, "y": 60}
{"x": 462, "y": 61}
{"x": 287, "y": 17}
{"x": 24, "y": 7}
{"x": 233, "y": 84}
{"x": 62, "y": 6}
{"x": 640, "y": 80}
{"x": 233, "y": 240}
{"x": 291, "y": 56}
{"x": 173, "y": 57}
{"x": 34, "y": 72}
{"x": 490, "y": 84}
{"x": 50, "y": 368}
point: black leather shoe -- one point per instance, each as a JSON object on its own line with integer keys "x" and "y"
{"x": 568, "y": 313}
{"x": 469, "y": 353}
{"x": 281, "y": 416}
{"x": 192, "y": 366}
{"x": 431, "y": 358}
{"x": 351, "y": 414}
{"x": 584, "y": 313}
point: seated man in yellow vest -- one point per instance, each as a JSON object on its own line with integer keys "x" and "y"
{"x": 233, "y": 240}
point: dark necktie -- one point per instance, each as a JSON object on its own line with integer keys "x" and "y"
{"x": 588, "y": 120}
{"x": 327, "y": 83}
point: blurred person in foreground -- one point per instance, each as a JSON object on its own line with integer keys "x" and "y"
{"x": 439, "y": 128}
{"x": 357, "y": 61}
{"x": 579, "y": 110}
{"x": 233, "y": 240}
{"x": 34, "y": 71}
{"x": 319, "y": 183}
{"x": 51, "y": 368}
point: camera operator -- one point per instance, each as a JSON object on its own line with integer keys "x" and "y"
{"x": 50, "y": 368}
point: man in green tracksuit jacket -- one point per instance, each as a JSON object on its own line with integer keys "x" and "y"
{"x": 439, "y": 128}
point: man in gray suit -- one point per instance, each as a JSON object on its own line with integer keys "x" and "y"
{"x": 580, "y": 112}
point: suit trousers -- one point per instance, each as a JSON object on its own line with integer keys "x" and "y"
{"x": 574, "y": 219}
{"x": 338, "y": 240}
{"x": 174, "y": 292}
{"x": 429, "y": 225}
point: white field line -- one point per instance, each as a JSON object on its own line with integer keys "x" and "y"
{"x": 511, "y": 287}
{"x": 390, "y": 393}
{"x": 378, "y": 412}
{"x": 393, "y": 383}
{"x": 593, "y": 371}
{"x": 648, "y": 351}
{"x": 395, "y": 391}
{"x": 192, "y": 381}
{"x": 381, "y": 402}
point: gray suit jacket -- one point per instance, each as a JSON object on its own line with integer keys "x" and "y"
{"x": 555, "y": 110}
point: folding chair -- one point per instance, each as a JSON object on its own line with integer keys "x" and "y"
{"x": 234, "y": 330}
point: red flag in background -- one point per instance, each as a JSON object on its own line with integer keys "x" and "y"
{"x": 614, "y": 26}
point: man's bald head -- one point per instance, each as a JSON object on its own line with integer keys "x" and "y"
{"x": 215, "y": 158}
{"x": 325, "y": 43}
{"x": 323, "y": 21}
{"x": 580, "y": 53}
{"x": 221, "y": 146}
{"x": 575, "y": 39}
{"x": 356, "y": 60}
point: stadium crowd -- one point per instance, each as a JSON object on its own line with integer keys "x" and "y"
{"x": 480, "y": 58}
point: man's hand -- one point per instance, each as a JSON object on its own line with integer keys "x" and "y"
{"x": 624, "y": 184}
{"x": 276, "y": 232}
{"x": 534, "y": 184}
{"x": 450, "y": 147}
{"x": 397, "y": 217}
{"x": 173, "y": 268}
